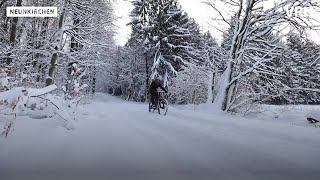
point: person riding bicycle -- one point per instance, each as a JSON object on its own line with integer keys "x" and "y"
{"x": 154, "y": 91}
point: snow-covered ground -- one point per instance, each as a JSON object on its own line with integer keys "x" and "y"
{"x": 115, "y": 139}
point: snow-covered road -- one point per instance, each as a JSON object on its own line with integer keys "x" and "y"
{"x": 121, "y": 140}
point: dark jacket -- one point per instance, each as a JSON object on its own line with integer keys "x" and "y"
{"x": 154, "y": 87}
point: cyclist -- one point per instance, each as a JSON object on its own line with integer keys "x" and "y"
{"x": 155, "y": 84}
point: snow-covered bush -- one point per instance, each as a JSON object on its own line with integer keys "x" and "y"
{"x": 73, "y": 89}
{"x": 35, "y": 103}
{"x": 4, "y": 80}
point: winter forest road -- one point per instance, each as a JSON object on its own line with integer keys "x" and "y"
{"x": 115, "y": 139}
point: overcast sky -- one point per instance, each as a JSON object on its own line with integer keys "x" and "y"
{"x": 195, "y": 8}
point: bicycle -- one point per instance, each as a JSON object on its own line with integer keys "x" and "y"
{"x": 162, "y": 103}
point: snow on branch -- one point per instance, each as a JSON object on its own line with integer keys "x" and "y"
{"x": 301, "y": 89}
{"x": 39, "y": 92}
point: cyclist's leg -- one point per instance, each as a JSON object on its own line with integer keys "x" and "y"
{"x": 156, "y": 94}
{"x": 152, "y": 97}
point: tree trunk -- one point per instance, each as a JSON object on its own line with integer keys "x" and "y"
{"x": 42, "y": 65}
{"x": 13, "y": 31}
{"x": 52, "y": 68}
{"x": 147, "y": 76}
{"x": 227, "y": 90}
{"x": 14, "y": 26}
{"x": 210, "y": 87}
{"x": 94, "y": 80}
{"x": 215, "y": 85}
{"x": 221, "y": 100}
{"x": 58, "y": 46}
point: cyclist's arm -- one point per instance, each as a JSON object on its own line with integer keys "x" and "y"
{"x": 163, "y": 89}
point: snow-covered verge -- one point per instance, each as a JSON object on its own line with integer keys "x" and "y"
{"x": 33, "y": 103}
{"x": 285, "y": 114}
{"x": 115, "y": 139}
{"x": 289, "y": 114}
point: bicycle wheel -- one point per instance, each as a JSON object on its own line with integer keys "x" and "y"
{"x": 163, "y": 105}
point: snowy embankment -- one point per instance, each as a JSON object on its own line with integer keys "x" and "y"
{"x": 115, "y": 139}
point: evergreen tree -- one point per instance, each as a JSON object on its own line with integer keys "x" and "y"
{"x": 306, "y": 71}
{"x": 164, "y": 28}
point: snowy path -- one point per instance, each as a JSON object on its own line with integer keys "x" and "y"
{"x": 121, "y": 140}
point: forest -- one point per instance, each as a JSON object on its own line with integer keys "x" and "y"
{"x": 73, "y": 56}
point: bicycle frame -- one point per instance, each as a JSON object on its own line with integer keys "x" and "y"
{"x": 161, "y": 100}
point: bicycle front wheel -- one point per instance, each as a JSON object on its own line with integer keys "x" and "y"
{"x": 163, "y": 109}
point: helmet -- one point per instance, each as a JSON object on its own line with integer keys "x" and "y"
{"x": 157, "y": 82}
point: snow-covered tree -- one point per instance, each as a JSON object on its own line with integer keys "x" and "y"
{"x": 65, "y": 51}
{"x": 139, "y": 33}
{"x": 305, "y": 69}
{"x": 253, "y": 48}
{"x": 212, "y": 55}
{"x": 45, "y": 47}
{"x": 190, "y": 85}
{"x": 164, "y": 28}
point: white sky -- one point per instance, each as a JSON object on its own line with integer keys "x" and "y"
{"x": 201, "y": 12}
